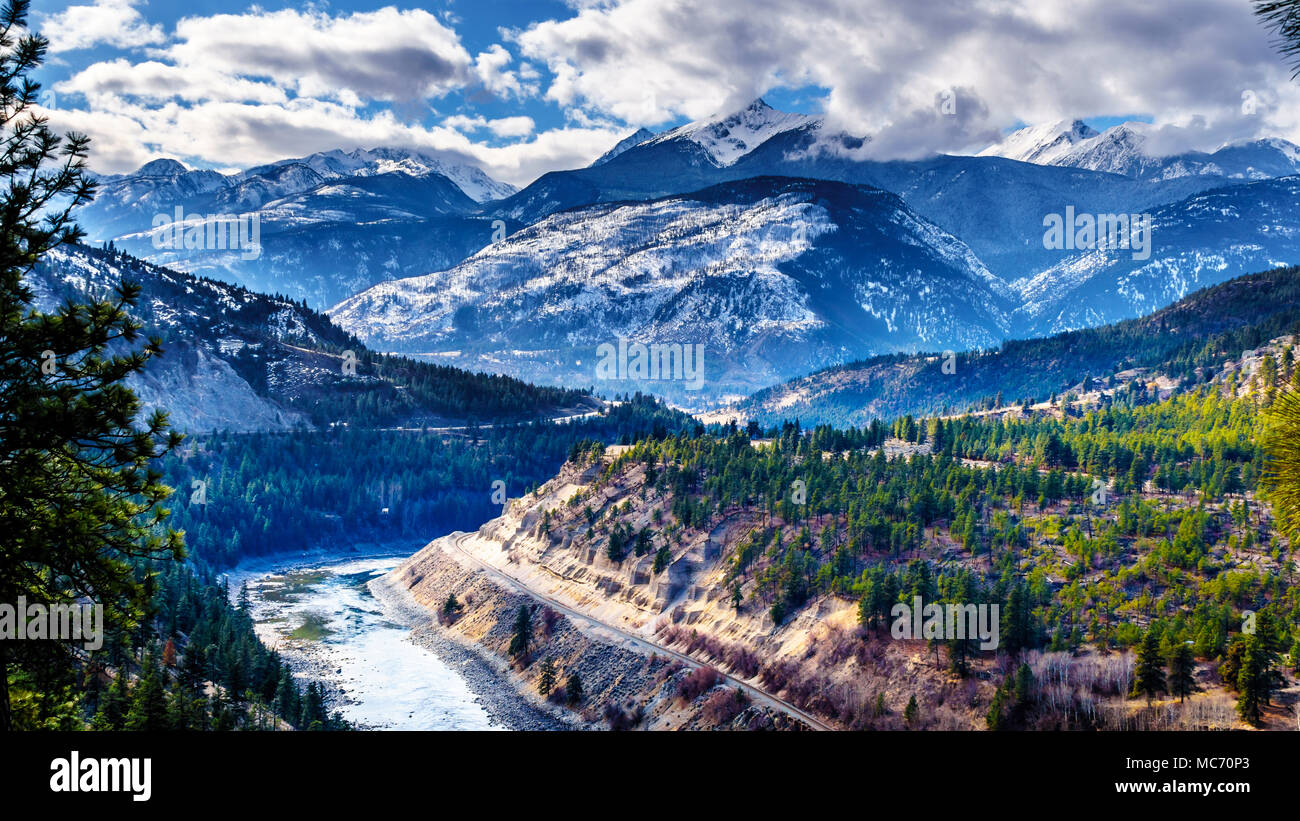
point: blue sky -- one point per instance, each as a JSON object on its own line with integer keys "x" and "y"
{"x": 520, "y": 88}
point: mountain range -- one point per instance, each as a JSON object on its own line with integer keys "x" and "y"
{"x": 771, "y": 275}
{"x": 1194, "y": 340}
{"x": 772, "y": 239}
{"x": 329, "y": 224}
{"x": 1125, "y": 149}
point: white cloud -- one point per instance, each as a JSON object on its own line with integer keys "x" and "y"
{"x": 884, "y": 63}
{"x": 152, "y": 80}
{"x": 501, "y": 127}
{"x": 111, "y": 22}
{"x": 389, "y": 54}
{"x": 127, "y": 133}
{"x": 245, "y": 88}
{"x": 490, "y": 69}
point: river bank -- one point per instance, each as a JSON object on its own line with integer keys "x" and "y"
{"x": 484, "y": 673}
{"x": 321, "y": 616}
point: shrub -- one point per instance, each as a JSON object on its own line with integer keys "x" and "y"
{"x": 696, "y": 682}
{"x": 724, "y": 705}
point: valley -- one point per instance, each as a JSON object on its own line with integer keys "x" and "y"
{"x": 753, "y": 422}
{"x": 715, "y": 587}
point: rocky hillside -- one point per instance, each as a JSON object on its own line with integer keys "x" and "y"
{"x": 781, "y": 563}
{"x": 238, "y": 360}
{"x": 635, "y": 628}
{"x": 770, "y": 276}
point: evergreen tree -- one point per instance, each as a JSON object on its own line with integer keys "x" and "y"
{"x": 1024, "y": 684}
{"x": 573, "y": 689}
{"x": 1255, "y": 679}
{"x": 79, "y": 494}
{"x": 1282, "y": 17}
{"x": 1281, "y": 441}
{"x": 149, "y": 701}
{"x": 662, "y": 557}
{"x": 1148, "y": 668}
{"x": 113, "y": 705}
{"x": 995, "y": 717}
{"x": 523, "y": 635}
{"x": 1182, "y": 671}
{"x": 546, "y": 679}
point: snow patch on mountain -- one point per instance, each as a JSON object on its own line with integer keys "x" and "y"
{"x": 1042, "y": 144}
{"x": 361, "y": 162}
{"x": 630, "y": 141}
{"x": 727, "y": 138}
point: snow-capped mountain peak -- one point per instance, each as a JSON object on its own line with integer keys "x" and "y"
{"x": 729, "y": 137}
{"x": 631, "y": 141}
{"x": 1041, "y": 144}
{"x": 1120, "y": 149}
{"x": 1129, "y": 149}
{"x": 366, "y": 162}
{"x": 1285, "y": 148}
{"x": 164, "y": 167}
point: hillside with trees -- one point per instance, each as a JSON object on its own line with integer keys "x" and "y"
{"x": 1187, "y": 342}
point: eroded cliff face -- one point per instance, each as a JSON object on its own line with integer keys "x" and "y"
{"x": 624, "y": 686}
{"x": 637, "y": 636}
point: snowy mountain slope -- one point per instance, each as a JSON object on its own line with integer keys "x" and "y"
{"x": 320, "y": 257}
{"x": 238, "y": 360}
{"x": 1202, "y": 240}
{"x": 771, "y": 275}
{"x": 634, "y": 139}
{"x": 995, "y": 205}
{"x": 1041, "y": 144}
{"x": 128, "y": 202}
{"x": 328, "y": 224}
{"x": 1125, "y": 149}
{"x": 330, "y": 165}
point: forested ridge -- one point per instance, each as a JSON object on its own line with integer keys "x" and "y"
{"x": 288, "y": 492}
{"x": 293, "y": 355}
{"x": 1187, "y": 341}
{"x": 1111, "y": 536}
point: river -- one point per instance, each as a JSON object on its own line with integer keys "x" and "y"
{"x": 328, "y": 627}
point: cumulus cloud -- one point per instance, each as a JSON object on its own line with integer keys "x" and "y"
{"x": 127, "y": 133}
{"x": 884, "y": 63}
{"x": 490, "y": 69}
{"x": 918, "y": 76}
{"x": 102, "y": 83}
{"x": 501, "y": 127}
{"x": 112, "y": 22}
{"x": 389, "y": 54}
